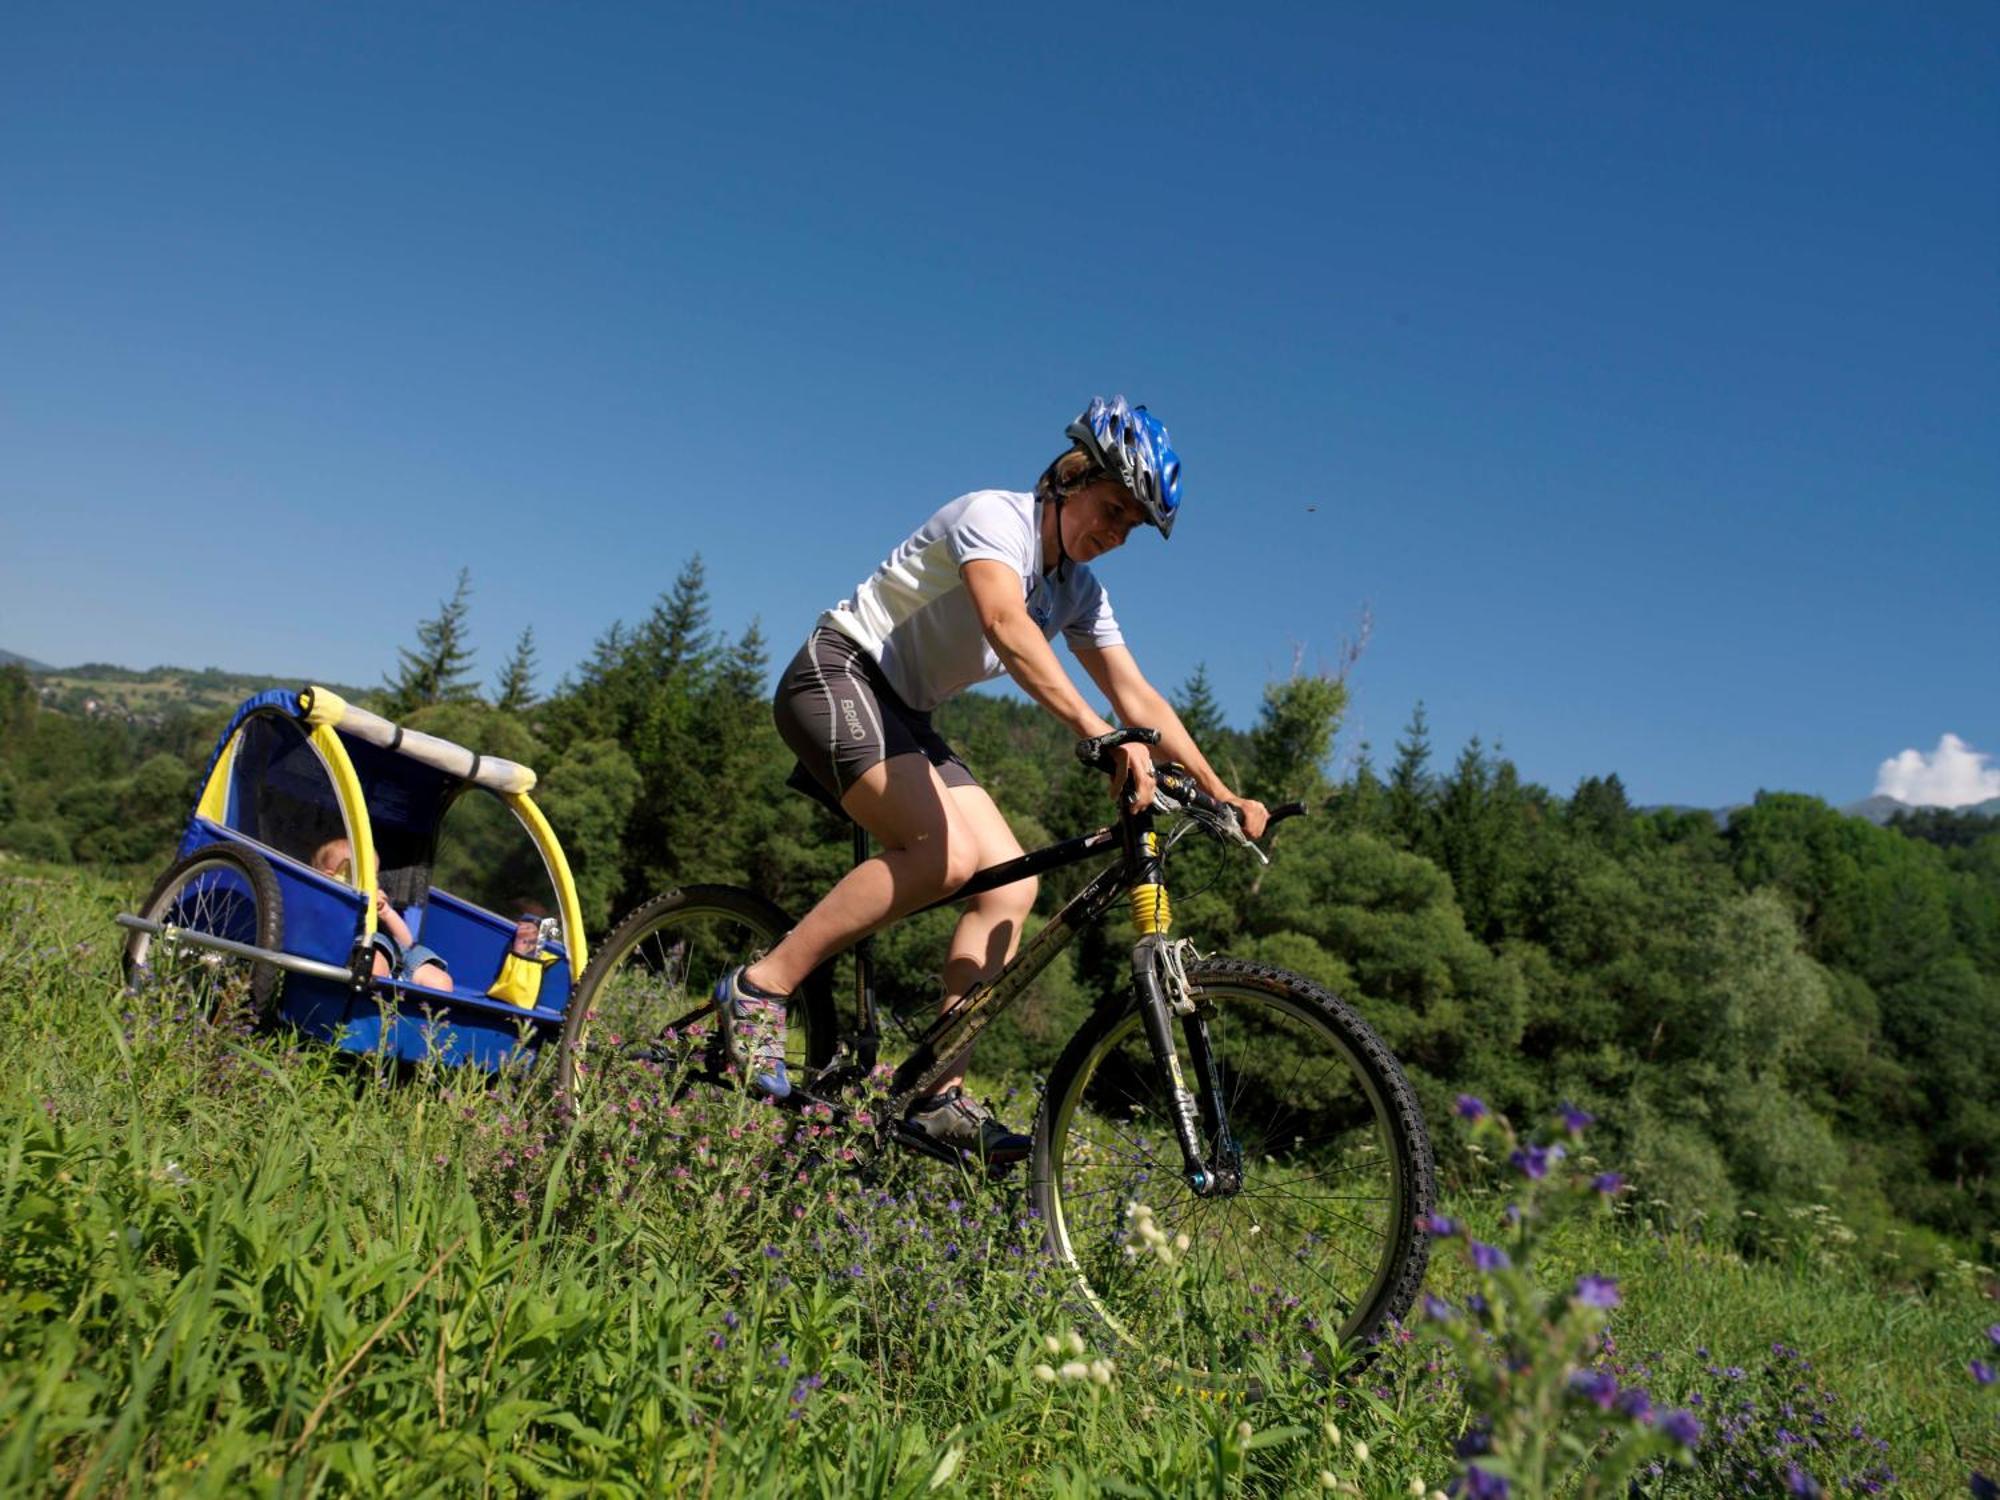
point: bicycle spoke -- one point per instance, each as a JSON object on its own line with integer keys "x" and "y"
{"x": 1302, "y": 1249}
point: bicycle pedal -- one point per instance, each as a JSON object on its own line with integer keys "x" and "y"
{"x": 915, "y": 1140}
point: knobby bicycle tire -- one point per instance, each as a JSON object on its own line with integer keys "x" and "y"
{"x": 661, "y": 963}
{"x": 1319, "y": 1249}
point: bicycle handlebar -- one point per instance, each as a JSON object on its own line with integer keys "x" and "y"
{"x": 1092, "y": 751}
{"x": 1176, "y": 783}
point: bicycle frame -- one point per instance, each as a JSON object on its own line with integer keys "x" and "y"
{"x": 1138, "y": 874}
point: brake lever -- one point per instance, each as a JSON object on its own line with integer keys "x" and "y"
{"x": 1227, "y": 825}
{"x": 1234, "y": 820}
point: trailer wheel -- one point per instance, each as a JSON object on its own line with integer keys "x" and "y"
{"x": 225, "y": 892}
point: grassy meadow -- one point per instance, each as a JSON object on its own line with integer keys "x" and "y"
{"x": 234, "y": 1264}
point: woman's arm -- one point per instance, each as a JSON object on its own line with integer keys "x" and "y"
{"x": 995, "y": 589}
{"x": 1137, "y": 701}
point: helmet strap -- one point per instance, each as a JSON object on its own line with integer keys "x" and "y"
{"x": 1057, "y": 495}
{"x": 1054, "y": 493}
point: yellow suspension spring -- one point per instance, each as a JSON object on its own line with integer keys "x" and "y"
{"x": 1152, "y": 912}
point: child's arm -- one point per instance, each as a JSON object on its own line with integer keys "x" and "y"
{"x": 390, "y": 920}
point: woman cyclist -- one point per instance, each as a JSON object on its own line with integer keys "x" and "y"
{"x": 979, "y": 589}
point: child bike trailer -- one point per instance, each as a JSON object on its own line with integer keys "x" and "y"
{"x": 375, "y": 887}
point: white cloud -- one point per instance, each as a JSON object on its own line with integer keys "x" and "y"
{"x": 1953, "y": 775}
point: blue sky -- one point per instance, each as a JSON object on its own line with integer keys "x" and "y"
{"x": 1635, "y": 374}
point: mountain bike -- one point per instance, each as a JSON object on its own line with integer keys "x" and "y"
{"x": 1226, "y": 1157}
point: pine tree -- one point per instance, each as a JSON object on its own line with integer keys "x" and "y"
{"x": 676, "y": 634}
{"x": 515, "y": 690}
{"x": 1200, "y": 714}
{"x": 1411, "y": 793}
{"x": 733, "y": 744}
{"x": 1477, "y": 836}
{"x": 440, "y": 669}
{"x": 1363, "y": 805}
{"x": 1601, "y": 812}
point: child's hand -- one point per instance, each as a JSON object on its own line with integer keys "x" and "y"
{"x": 381, "y": 903}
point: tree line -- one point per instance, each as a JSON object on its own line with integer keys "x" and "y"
{"x": 1790, "y": 1007}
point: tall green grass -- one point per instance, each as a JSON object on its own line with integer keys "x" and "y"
{"x": 238, "y": 1264}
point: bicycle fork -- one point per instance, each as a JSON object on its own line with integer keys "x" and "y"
{"x": 1160, "y": 990}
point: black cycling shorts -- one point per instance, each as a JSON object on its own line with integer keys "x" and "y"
{"x": 839, "y": 715}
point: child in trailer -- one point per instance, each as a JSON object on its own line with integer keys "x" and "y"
{"x": 397, "y": 953}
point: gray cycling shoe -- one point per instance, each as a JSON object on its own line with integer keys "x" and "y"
{"x": 753, "y": 1034}
{"x": 956, "y": 1120}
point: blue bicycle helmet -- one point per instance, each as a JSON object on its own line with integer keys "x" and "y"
{"x": 1131, "y": 444}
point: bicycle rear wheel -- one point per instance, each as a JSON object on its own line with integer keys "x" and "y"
{"x": 1318, "y": 1246}
{"x": 656, "y": 974}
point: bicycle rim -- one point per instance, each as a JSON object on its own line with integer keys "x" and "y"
{"x": 219, "y": 893}
{"x": 1317, "y": 1248}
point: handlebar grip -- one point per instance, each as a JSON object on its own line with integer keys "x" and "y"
{"x": 1176, "y": 781}
{"x": 1286, "y": 810}
{"x": 1092, "y": 751}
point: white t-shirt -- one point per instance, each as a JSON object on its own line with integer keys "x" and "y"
{"x": 914, "y": 616}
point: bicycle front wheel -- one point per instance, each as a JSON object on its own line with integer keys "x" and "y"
{"x": 650, "y": 985}
{"x": 1316, "y": 1246}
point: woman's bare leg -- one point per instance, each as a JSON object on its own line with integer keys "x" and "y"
{"x": 989, "y": 932}
{"x": 927, "y": 851}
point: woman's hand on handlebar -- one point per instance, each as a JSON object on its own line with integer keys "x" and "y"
{"x": 1253, "y": 815}
{"x": 1132, "y": 768}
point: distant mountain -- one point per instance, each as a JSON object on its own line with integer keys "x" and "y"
{"x": 12, "y": 658}
{"x": 1880, "y": 809}
{"x": 1877, "y": 809}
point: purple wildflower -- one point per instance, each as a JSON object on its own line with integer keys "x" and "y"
{"x": 1469, "y": 1108}
{"x": 1993, "y": 1333}
{"x": 1489, "y": 1257}
{"x": 1984, "y": 1488}
{"x": 1437, "y": 1309}
{"x": 1608, "y": 1183}
{"x": 1682, "y": 1427}
{"x": 1597, "y": 1291}
{"x": 1598, "y": 1387}
{"x": 1437, "y": 1226}
{"x": 1982, "y": 1372}
{"x": 1575, "y": 1120}
{"x": 1799, "y": 1482}
{"x": 1636, "y": 1402}
{"x": 1484, "y": 1484}
{"x": 1533, "y": 1161}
